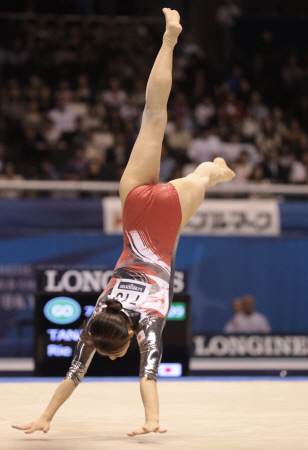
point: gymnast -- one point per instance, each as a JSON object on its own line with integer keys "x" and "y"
{"x": 139, "y": 294}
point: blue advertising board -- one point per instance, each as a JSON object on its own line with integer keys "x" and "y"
{"x": 272, "y": 269}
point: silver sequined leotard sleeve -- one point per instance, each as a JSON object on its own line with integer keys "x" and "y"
{"x": 81, "y": 360}
{"x": 149, "y": 336}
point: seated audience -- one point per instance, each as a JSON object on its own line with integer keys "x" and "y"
{"x": 245, "y": 319}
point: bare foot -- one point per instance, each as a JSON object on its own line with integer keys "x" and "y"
{"x": 226, "y": 173}
{"x": 173, "y": 27}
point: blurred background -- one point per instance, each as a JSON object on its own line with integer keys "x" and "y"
{"x": 73, "y": 75}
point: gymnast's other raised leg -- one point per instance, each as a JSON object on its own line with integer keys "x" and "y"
{"x": 191, "y": 189}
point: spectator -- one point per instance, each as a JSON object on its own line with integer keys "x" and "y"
{"x": 13, "y": 105}
{"x": 298, "y": 171}
{"x": 63, "y": 119}
{"x": 129, "y": 110}
{"x": 248, "y": 321}
{"x": 84, "y": 91}
{"x": 78, "y": 137}
{"x": 232, "y": 149}
{"x": 167, "y": 165}
{"x": 139, "y": 92}
{"x": 17, "y": 54}
{"x": 250, "y": 125}
{"x": 205, "y": 111}
{"x": 259, "y": 109}
{"x": 258, "y": 175}
{"x": 32, "y": 117}
{"x": 189, "y": 47}
{"x": 237, "y": 309}
{"x": 181, "y": 110}
{"x": 93, "y": 120}
{"x": 294, "y": 133}
{"x": 117, "y": 154}
{"x": 268, "y": 138}
{"x": 243, "y": 168}
{"x": 76, "y": 167}
{"x": 9, "y": 174}
{"x": 232, "y": 107}
{"x": 103, "y": 138}
{"x": 226, "y": 16}
{"x": 94, "y": 172}
{"x": 2, "y": 156}
{"x": 64, "y": 91}
{"x": 285, "y": 160}
{"x": 205, "y": 146}
{"x": 47, "y": 171}
{"x": 178, "y": 139}
{"x": 114, "y": 96}
{"x": 78, "y": 107}
{"x": 32, "y": 90}
{"x": 45, "y": 99}
{"x": 291, "y": 75}
{"x": 271, "y": 166}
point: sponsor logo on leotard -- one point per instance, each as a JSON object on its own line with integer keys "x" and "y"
{"x": 132, "y": 287}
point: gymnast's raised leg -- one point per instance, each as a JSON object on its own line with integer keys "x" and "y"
{"x": 144, "y": 164}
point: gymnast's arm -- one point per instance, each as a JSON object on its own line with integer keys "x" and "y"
{"x": 149, "y": 335}
{"x": 79, "y": 366}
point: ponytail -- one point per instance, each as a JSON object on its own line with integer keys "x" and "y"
{"x": 113, "y": 306}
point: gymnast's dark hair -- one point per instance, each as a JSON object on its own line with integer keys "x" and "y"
{"x": 107, "y": 331}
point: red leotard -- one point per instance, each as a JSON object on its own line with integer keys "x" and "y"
{"x": 143, "y": 277}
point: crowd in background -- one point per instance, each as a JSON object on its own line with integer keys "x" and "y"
{"x": 72, "y": 96}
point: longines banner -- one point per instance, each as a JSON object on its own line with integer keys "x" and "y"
{"x": 214, "y": 217}
{"x": 73, "y": 280}
{"x": 250, "y": 346}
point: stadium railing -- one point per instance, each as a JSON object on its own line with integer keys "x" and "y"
{"x": 284, "y": 190}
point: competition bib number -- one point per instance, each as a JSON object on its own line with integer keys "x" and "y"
{"x": 131, "y": 293}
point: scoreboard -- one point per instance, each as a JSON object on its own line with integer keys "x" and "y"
{"x": 59, "y": 314}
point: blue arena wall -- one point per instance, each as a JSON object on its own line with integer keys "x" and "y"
{"x": 273, "y": 269}
{"x": 87, "y": 214}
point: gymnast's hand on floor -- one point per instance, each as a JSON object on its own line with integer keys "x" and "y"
{"x": 148, "y": 427}
{"x": 41, "y": 424}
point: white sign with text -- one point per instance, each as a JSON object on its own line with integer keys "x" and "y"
{"x": 214, "y": 217}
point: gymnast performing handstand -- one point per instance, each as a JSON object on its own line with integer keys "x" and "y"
{"x": 139, "y": 294}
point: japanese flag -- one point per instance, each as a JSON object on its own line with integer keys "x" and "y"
{"x": 170, "y": 370}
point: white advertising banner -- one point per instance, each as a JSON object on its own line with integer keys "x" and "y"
{"x": 214, "y": 217}
{"x": 112, "y": 215}
{"x": 235, "y": 217}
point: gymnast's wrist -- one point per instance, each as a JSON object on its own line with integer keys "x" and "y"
{"x": 47, "y": 416}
